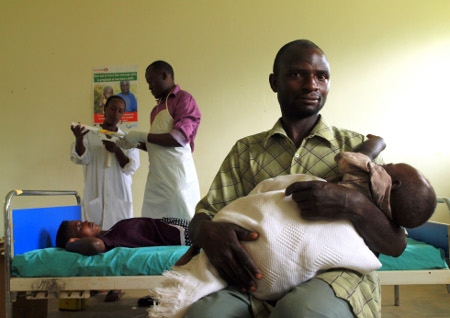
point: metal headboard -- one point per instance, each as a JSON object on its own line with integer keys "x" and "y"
{"x": 8, "y": 231}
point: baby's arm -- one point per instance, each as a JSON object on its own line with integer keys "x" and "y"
{"x": 372, "y": 147}
{"x": 86, "y": 245}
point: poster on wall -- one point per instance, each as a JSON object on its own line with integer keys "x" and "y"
{"x": 116, "y": 80}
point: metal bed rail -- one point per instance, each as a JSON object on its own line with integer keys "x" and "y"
{"x": 446, "y": 201}
{"x": 8, "y": 232}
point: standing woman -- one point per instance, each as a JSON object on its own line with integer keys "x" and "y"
{"x": 172, "y": 188}
{"x": 107, "y": 169}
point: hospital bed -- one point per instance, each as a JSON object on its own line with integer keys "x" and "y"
{"x": 35, "y": 268}
{"x": 420, "y": 264}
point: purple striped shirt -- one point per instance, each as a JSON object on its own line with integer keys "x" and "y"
{"x": 185, "y": 113}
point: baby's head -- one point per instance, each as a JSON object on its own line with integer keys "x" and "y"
{"x": 413, "y": 199}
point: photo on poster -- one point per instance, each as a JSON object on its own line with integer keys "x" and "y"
{"x": 116, "y": 80}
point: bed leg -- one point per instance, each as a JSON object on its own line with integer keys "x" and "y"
{"x": 397, "y": 295}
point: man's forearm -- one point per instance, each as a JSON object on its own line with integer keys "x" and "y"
{"x": 380, "y": 233}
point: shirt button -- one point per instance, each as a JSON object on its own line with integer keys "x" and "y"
{"x": 297, "y": 155}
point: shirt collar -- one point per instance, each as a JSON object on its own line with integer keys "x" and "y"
{"x": 175, "y": 90}
{"x": 321, "y": 130}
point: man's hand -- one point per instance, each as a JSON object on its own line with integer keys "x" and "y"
{"x": 122, "y": 143}
{"x": 221, "y": 243}
{"x": 135, "y": 137}
{"x": 318, "y": 200}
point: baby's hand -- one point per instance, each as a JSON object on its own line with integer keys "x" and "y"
{"x": 370, "y": 136}
{"x": 73, "y": 239}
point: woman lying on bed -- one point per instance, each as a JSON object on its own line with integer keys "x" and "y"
{"x": 86, "y": 237}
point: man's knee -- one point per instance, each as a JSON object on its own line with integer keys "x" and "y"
{"x": 314, "y": 298}
{"x": 225, "y": 303}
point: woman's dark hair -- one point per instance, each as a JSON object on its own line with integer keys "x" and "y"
{"x": 110, "y": 98}
{"x": 62, "y": 236}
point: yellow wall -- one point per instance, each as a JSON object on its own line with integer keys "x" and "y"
{"x": 389, "y": 61}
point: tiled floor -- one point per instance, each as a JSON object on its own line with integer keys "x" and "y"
{"x": 415, "y": 301}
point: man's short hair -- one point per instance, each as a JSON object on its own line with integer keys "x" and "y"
{"x": 162, "y": 66}
{"x": 304, "y": 44}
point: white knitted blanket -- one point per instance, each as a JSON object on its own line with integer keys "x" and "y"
{"x": 288, "y": 251}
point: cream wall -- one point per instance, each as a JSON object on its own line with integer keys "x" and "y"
{"x": 389, "y": 61}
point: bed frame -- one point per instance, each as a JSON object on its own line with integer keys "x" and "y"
{"x": 433, "y": 233}
{"x": 79, "y": 287}
{"x": 59, "y": 287}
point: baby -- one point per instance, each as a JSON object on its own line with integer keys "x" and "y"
{"x": 399, "y": 190}
{"x": 290, "y": 250}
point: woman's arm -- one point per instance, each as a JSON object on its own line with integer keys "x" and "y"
{"x": 117, "y": 151}
{"x": 86, "y": 245}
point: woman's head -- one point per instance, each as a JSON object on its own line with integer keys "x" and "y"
{"x": 114, "y": 110}
{"x": 75, "y": 229}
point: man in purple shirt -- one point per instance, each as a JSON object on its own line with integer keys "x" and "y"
{"x": 172, "y": 188}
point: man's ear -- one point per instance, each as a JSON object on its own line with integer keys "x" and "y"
{"x": 273, "y": 82}
{"x": 396, "y": 184}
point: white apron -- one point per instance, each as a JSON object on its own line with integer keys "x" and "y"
{"x": 172, "y": 188}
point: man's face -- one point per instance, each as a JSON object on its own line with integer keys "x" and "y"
{"x": 302, "y": 82}
{"x": 156, "y": 83}
{"x": 83, "y": 229}
{"x": 125, "y": 87}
